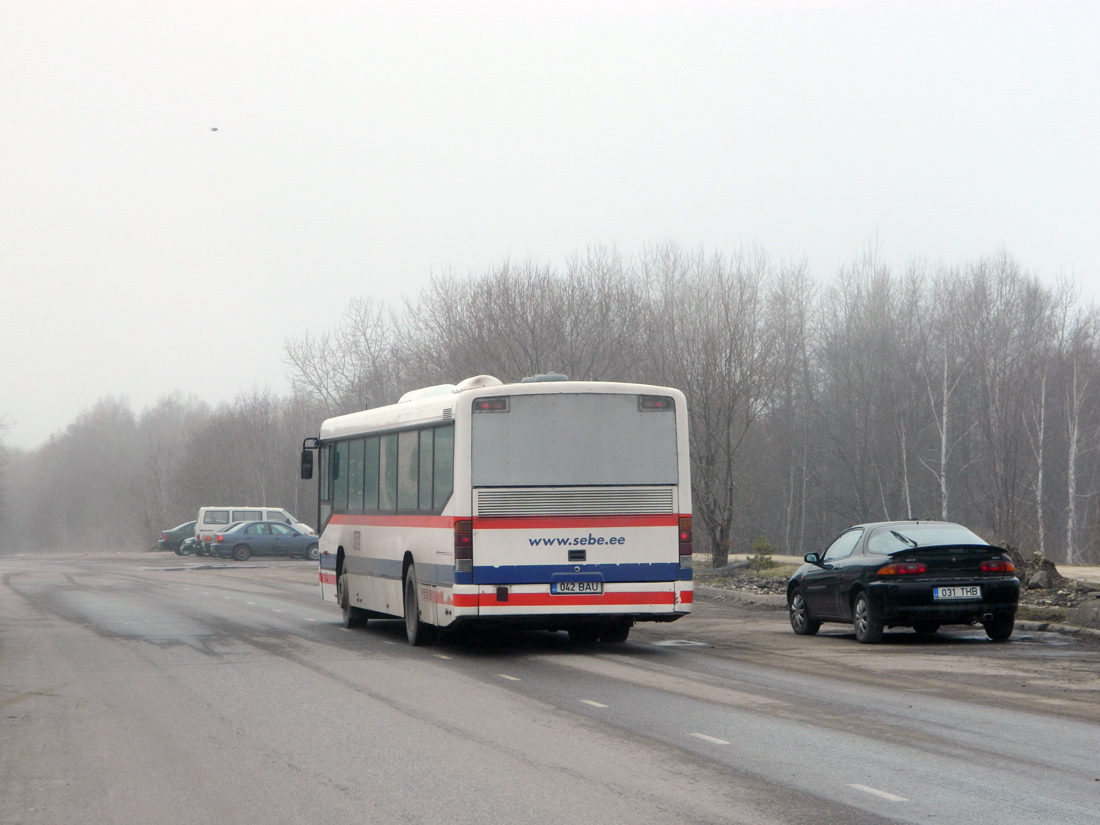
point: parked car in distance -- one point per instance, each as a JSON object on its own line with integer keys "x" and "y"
{"x": 170, "y": 539}
{"x": 919, "y": 574}
{"x": 245, "y": 539}
{"x": 212, "y": 520}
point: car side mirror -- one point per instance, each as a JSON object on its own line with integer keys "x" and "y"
{"x": 812, "y": 558}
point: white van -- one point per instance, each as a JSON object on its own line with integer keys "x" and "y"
{"x": 212, "y": 520}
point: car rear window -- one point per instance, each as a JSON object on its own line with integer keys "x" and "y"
{"x": 898, "y": 537}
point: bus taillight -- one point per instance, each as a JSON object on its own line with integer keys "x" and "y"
{"x": 464, "y": 546}
{"x": 685, "y": 541}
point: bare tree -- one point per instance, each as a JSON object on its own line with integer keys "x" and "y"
{"x": 716, "y": 338}
{"x": 944, "y": 365}
{"x": 1076, "y": 347}
{"x": 1006, "y": 316}
{"x": 355, "y": 366}
{"x": 520, "y": 320}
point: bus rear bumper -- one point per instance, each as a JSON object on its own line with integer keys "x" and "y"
{"x": 642, "y": 601}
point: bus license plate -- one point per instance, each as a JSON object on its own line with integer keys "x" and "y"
{"x": 956, "y": 592}
{"x": 574, "y": 588}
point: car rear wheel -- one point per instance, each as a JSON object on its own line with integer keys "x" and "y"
{"x": 926, "y": 628}
{"x": 1000, "y": 627}
{"x": 867, "y": 625}
{"x": 242, "y": 552}
{"x": 312, "y": 553}
{"x": 182, "y": 551}
{"x": 801, "y": 623}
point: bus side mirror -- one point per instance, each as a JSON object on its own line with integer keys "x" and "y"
{"x": 307, "y": 465}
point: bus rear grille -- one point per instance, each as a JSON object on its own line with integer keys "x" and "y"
{"x": 573, "y": 501}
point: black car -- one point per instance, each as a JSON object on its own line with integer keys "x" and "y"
{"x": 919, "y": 574}
{"x": 171, "y": 539}
{"x": 189, "y": 546}
{"x": 245, "y": 539}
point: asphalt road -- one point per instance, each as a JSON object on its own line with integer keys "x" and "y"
{"x": 152, "y": 689}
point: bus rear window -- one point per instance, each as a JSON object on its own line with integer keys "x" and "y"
{"x": 573, "y": 439}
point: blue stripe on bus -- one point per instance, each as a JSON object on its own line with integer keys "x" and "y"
{"x": 539, "y": 573}
{"x": 435, "y": 574}
{"x": 445, "y": 575}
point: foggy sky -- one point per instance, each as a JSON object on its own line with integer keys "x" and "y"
{"x": 360, "y": 147}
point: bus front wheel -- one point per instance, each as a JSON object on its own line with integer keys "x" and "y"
{"x": 418, "y": 632}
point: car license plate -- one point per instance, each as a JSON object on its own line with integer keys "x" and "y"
{"x": 573, "y": 588}
{"x": 974, "y": 592}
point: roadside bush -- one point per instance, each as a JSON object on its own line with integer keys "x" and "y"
{"x": 762, "y": 554}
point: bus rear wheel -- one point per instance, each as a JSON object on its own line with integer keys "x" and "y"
{"x": 584, "y": 635}
{"x": 615, "y": 634}
{"x": 352, "y": 616}
{"x": 418, "y": 632}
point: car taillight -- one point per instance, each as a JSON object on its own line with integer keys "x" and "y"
{"x": 685, "y": 541}
{"x": 903, "y": 568}
{"x": 164, "y": 537}
{"x": 217, "y": 538}
{"x": 464, "y": 546}
{"x": 998, "y": 566}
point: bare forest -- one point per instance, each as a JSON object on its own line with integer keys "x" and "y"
{"x": 965, "y": 392}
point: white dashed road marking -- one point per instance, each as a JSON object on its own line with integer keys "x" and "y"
{"x": 509, "y": 678}
{"x": 590, "y": 702}
{"x": 710, "y": 739}
{"x": 877, "y": 792}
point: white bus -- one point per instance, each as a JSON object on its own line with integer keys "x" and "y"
{"x": 549, "y": 504}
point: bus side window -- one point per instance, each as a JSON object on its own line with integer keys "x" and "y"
{"x": 426, "y": 438}
{"x": 408, "y": 470}
{"x": 324, "y": 486}
{"x": 355, "y": 476}
{"x": 324, "y": 478}
{"x": 444, "y": 450}
{"x": 370, "y": 475}
{"x": 387, "y": 474}
{"x": 340, "y": 478}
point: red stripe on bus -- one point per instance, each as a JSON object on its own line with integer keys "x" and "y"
{"x": 512, "y": 523}
{"x": 687, "y": 597}
{"x": 442, "y": 522}
{"x": 547, "y": 600}
{"x": 574, "y": 522}
{"x": 328, "y": 578}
